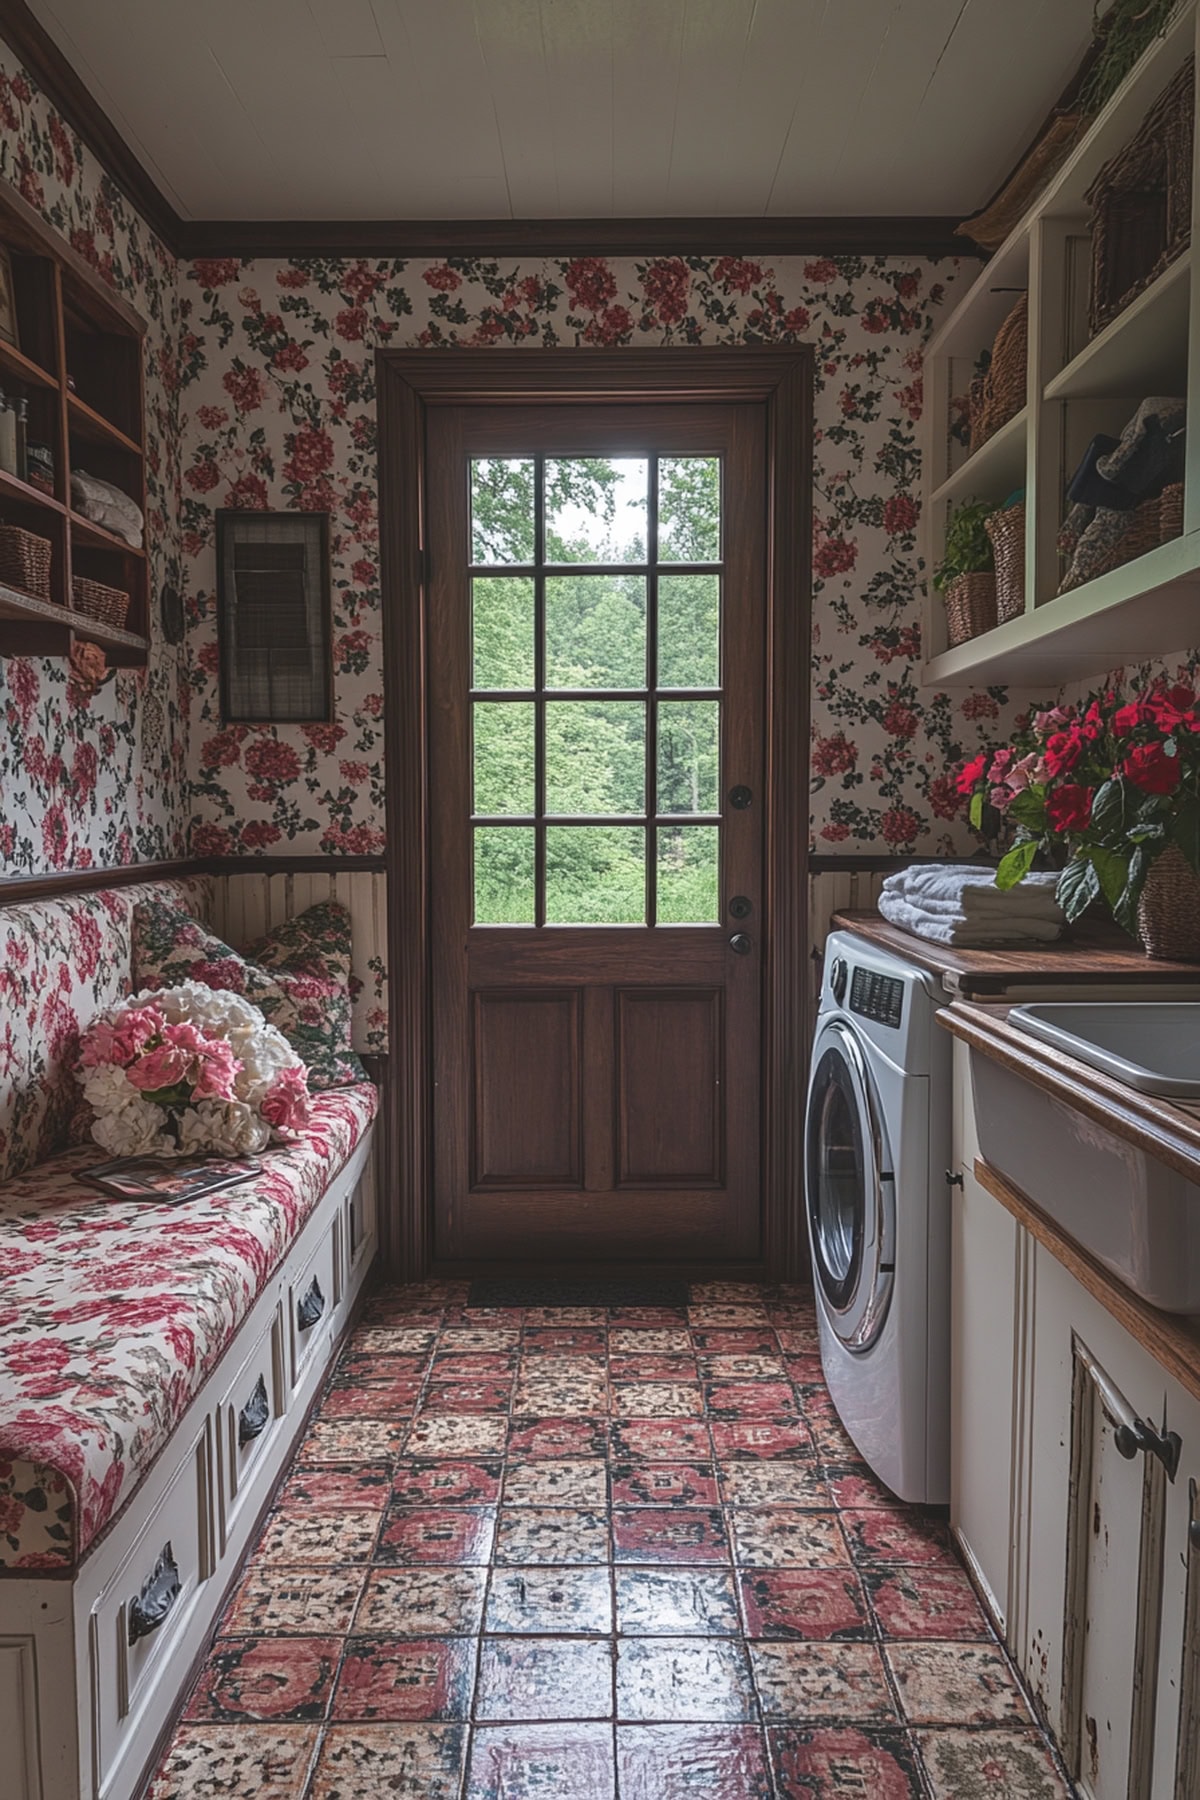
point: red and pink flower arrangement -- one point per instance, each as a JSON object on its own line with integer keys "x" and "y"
{"x": 1102, "y": 790}
{"x": 190, "y": 1071}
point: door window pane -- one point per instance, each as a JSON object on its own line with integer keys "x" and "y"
{"x": 504, "y": 756}
{"x": 689, "y": 631}
{"x": 595, "y": 756}
{"x": 689, "y": 759}
{"x": 689, "y": 508}
{"x": 595, "y": 631}
{"x": 595, "y": 875}
{"x": 596, "y": 509}
{"x": 502, "y": 490}
{"x": 688, "y": 867}
{"x": 504, "y": 875}
{"x": 502, "y": 631}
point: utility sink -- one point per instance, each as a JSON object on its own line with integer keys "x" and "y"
{"x": 1153, "y": 1046}
{"x": 1138, "y": 1214}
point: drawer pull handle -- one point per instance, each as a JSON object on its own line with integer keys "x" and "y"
{"x": 151, "y": 1608}
{"x": 1141, "y": 1437}
{"x": 255, "y": 1416}
{"x": 311, "y": 1307}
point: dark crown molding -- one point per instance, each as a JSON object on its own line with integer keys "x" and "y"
{"x": 65, "y": 89}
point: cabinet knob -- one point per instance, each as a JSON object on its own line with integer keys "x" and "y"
{"x": 954, "y": 1178}
{"x": 1194, "y": 1534}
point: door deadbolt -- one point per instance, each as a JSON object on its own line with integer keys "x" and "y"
{"x": 740, "y": 907}
{"x": 740, "y": 798}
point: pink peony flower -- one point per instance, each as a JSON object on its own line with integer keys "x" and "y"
{"x": 124, "y": 1039}
{"x": 162, "y": 1067}
{"x": 214, "y": 1071}
{"x": 284, "y": 1106}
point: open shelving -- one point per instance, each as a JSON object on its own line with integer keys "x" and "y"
{"x": 1076, "y": 386}
{"x": 80, "y": 365}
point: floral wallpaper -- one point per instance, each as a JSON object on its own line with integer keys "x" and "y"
{"x": 276, "y": 360}
{"x": 96, "y": 777}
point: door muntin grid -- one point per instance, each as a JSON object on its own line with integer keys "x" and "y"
{"x": 611, "y": 639}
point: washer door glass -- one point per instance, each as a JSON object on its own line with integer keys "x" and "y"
{"x": 847, "y": 1189}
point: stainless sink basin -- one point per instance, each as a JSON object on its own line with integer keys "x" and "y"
{"x": 1150, "y": 1045}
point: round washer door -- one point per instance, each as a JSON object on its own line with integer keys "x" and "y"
{"x": 850, "y": 1189}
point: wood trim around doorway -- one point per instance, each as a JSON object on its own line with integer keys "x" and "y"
{"x": 409, "y": 384}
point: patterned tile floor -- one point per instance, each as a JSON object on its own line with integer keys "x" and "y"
{"x": 597, "y": 1554}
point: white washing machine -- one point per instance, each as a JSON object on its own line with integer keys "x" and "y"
{"x": 876, "y": 1153}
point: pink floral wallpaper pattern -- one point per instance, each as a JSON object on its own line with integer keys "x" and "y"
{"x": 277, "y": 361}
{"x": 96, "y": 779}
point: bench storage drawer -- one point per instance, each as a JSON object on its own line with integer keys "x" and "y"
{"x": 142, "y": 1615}
{"x": 313, "y": 1296}
{"x": 248, "y": 1421}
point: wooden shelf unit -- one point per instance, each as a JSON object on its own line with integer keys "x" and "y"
{"x": 1075, "y": 388}
{"x": 71, "y": 324}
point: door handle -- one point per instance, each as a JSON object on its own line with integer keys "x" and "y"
{"x": 740, "y": 944}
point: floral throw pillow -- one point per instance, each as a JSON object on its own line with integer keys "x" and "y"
{"x": 297, "y": 975}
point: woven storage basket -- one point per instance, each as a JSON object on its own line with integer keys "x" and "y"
{"x": 1006, "y": 529}
{"x": 1168, "y": 912}
{"x": 970, "y": 606}
{"x": 999, "y": 395}
{"x": 25, "y": 561}
{"x": 110, "y": 606}
{"x": 1142, "y": 202}
{"x": 1170, "y": 512}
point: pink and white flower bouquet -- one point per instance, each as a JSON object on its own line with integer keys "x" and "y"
{"x": 190, "y": 1071}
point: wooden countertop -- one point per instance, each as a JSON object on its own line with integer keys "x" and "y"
{"x": 1166, "y": 1129}
{"x": 1093, "y": 954}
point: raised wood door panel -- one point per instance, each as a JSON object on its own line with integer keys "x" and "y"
{"x": 593, "y": 701}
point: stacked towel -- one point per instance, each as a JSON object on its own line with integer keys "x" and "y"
{"x": 960, "y": 904}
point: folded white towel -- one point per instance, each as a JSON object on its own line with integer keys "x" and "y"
{"x": 977, "y": 934}
{"x": 970, "y": 891}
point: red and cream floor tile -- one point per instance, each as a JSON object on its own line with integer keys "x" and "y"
{"x": 597, "y": 1553}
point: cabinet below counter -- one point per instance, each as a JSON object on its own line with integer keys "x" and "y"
{"x": 1075, "y": 1454}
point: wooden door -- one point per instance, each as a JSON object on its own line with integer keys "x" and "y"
{"x": 596, "y": 684}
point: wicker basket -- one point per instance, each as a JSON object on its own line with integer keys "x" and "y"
{"x": 1006, "y": 529}
{"x": 25, "y": 561}
{"x": 1168, "y": 912}
{"x": 110, "y": 606}
{"x": 1170, "y": 512}
{"x": 1142, "y": 202}
{"x": 970, "y": 606}
{"x": 999, "y": 395}
{"x": 1141, "y": 533}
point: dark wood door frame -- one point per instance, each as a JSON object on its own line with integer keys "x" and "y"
{"x": 408, "y": 384}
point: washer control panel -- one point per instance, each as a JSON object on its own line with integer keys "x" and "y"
{"x": 878, "y": 997}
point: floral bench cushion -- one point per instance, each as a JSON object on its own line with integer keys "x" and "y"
{"x": 61, "y": 962}
{"x": 112, "y": 1315}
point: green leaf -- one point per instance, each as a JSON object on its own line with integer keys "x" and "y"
{"x": 1112, "y": 868}
{"x": 1029, "y": 809}
{"x": 1186, "y": 831}
{"x": 1078, "y": 886}
{"x": 975, "y": 813}
{"x": 1108, "y": 806}
{"x": 1148, "y": 831}
{"x": 1016, "y": 865}
{"x": 1125, "y": 911}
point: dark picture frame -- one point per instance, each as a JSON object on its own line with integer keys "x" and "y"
{"x": 274, "y": 617}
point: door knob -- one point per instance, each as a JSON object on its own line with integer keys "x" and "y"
{"x": 740, "y": 944}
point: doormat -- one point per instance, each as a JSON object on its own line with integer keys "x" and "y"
{"x": 577, "y": 1290}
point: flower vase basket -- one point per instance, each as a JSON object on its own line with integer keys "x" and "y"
{"x": 1168, "y": 914}
{"x": 970, "y": 606}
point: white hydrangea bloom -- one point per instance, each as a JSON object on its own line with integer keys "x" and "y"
{"x": 228, "y": 1127}
{"x": 107, "y": 1087}
{"x": 134, "y": 1130}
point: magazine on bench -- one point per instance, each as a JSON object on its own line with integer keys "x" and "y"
{"x": 167, "y": 1181}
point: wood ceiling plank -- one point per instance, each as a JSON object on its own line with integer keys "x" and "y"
{"x": 648, "y": 49}
{"x": 514, "y": 54}
{"x": 741, "y": 71}
{"x": 578, "y": 39}
{"x": 347, "y": 27}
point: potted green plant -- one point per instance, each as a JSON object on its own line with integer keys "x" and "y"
{"x": 1109, "y": 792}
{"x": 966, "y": 574}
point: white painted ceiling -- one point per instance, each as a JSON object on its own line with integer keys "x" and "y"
{"x": 392, "y": 109}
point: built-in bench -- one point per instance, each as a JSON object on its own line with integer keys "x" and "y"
{"x": 156, "y": 1366}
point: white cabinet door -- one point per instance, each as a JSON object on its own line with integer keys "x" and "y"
{"x": 1177, "y": 1734}
{"x": 985, "y": 1243}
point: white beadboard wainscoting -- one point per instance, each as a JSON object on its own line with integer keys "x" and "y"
{"x": 837, "y": 890}
{"x": 249, "y": 902}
